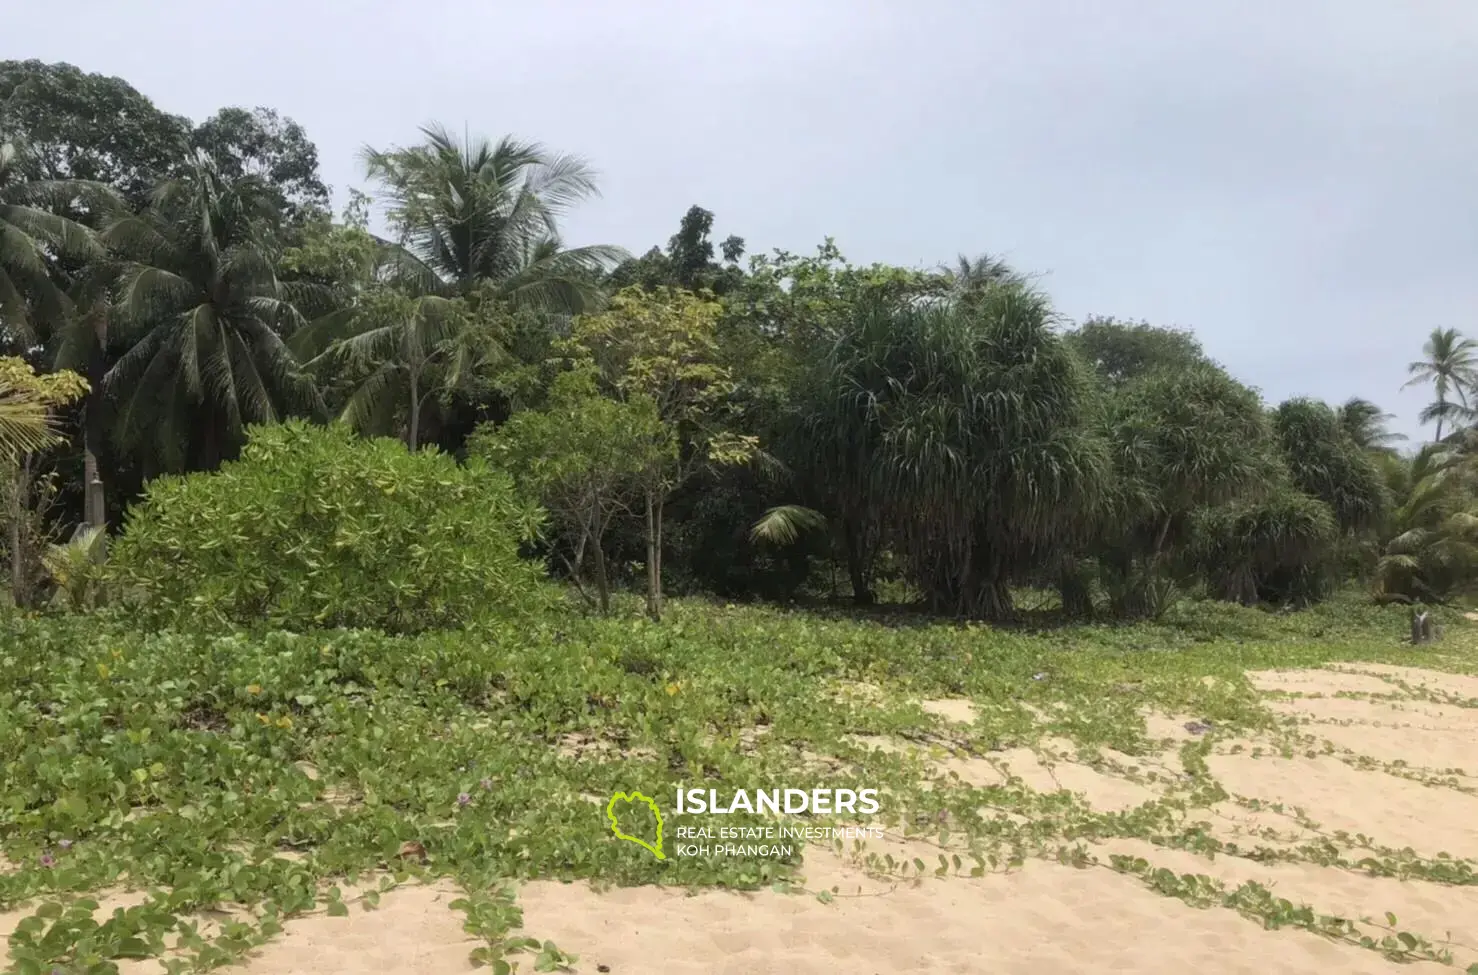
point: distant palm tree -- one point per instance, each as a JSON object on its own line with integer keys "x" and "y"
{"x": 472, "y": 212}
{"x": 969, "y": 275}
{"x": 1450, "y": 365}
{"x": 204, "y": 317}
{"x": 477, "y": 223}
{"x": 398, "y": 351}
{"x": 1365, "y": 424}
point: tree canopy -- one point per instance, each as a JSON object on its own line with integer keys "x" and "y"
{"x": 706, "y": 415}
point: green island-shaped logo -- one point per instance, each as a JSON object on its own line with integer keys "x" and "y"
{"x": 616, "y": 828}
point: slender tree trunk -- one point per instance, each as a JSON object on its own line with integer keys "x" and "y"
{"x": 1077, "y": 598}
{"x": 20, "y": 557}
{"x": 17, "y": 573}
{"x": 577, "y": 566}
{"x": 602, "y": 582}
{"x": 1160, "y": 541}
{"x": 1144, "y": 587}
{"x": 413, "y": 434}
{"x": 862, "y": 594}
{"x": 95, "y": 509}
{"x": 94, "y": 503}
{"x": 654, "y": 606}
{"x": 657, "y": 551}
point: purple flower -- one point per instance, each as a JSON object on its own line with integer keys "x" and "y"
{"x": 463, "y": 798}
{"x": 65, "y": 844}
{"x": 486, "y": 784}
{"x": 48, "y": 861}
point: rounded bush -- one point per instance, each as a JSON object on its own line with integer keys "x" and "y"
{"x": 315, "y": 527}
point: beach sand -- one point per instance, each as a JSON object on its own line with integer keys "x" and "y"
{"x": 1396, "y": 762}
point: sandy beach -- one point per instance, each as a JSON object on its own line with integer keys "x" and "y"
{"x": 1390, "y": 764}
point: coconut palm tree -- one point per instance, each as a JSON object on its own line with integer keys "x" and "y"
{"x": 398, "y": 351}
{"x": 473, "y": 212}
{"x": 1450, "y": 364}
{"x": 45, "y": 252}
{"x": 1433, "y": 543}
{"x": 968, "y": 275}
{"x": 204, "y": 319}
{"x": 1365, "y": 424}
{"x": 477, "y": 229}
{"x": 33, "y": 233}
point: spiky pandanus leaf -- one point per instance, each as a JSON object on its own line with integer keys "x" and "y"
{"x": 1327, "y": 464}
{"x": 1183, "y": 440}
{"x": 967, "y": 428}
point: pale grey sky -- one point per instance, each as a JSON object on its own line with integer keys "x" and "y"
{"x": 1293, "y": 180}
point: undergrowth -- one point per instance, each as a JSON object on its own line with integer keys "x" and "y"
{"x": 276, "y": 774}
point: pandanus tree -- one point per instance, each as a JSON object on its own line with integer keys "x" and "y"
{"x": 1274, "y": 546}
{"x": 810, "y": 337}
{"x": 831, "y": 437}
{"x": 1183, "y": 440}
{"x": 989, "y": 461}
{"x": 1326, "y": 463}
{"x": 967, "y": 427}
{"x": 204, "y": 319}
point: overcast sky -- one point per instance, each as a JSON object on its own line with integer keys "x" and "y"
{"x": 1297, "y": 181}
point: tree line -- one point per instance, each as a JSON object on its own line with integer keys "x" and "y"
{"x": 694, "y": 418}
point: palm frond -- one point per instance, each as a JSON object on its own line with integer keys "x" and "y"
{"x": 785, "y": 524}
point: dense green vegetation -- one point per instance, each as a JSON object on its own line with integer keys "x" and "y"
{"x": 326, "y": 544}
{"x": 259, "y": 771}
{"x": 941, "y": 429}
{"x": 311, "y": 528}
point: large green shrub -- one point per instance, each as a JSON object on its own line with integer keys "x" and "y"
{"x": 316, "y": 527}
{"x": 1326, "y": 463}
{"x": 1278, "y": 548}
